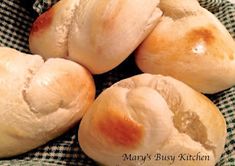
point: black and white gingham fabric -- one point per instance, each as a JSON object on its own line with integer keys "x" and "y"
{"x": 224, "y": 11}
{"x": 42, "y": 5}
{"x": 16, "y": 17}
{"x": 15, "y": 24}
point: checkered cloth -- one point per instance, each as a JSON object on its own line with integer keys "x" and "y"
{"x": 16, "y": 17}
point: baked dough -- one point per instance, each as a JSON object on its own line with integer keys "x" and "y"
{"x": 92, "y": 32}
{"x": 191, "y": 45}
{"x": 152, "y": 114}
{"x": 39, "y": 100}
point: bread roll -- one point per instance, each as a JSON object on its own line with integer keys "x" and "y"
{"x": 191, "y": 45}
{"x": 152, "y": 115}
{"x": 97, "y": 34}
{"x": 39, "y": 101}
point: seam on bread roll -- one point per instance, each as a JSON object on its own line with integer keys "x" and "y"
{"x": 27, "y": 84}
{"x": 58, "y": 93}
{"x": 184, "y": 121}
{"x": 69, "y": 27}
{"x": 163, "y": 117}
{"x": 176, "y": 9}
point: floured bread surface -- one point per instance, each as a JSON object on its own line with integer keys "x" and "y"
{"x": 191, "y": 45}
{"x": 104, "y": 33}
{"x": 152, "y": 114}
{"x": 39, "y": 101}
{"x": 49, "y": 33}
{"x": 97, "y": 34}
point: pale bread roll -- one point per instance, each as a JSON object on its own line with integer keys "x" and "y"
{"x": 104, "y": 33}
{"x": 97, "y": 34}
{"x": 152, "y": 114}
{"x": 39, "y": 101}
{"x": 191, "y": 45}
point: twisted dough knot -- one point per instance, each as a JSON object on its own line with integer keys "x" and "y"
{"x": 190, "y": 44}
{"x": 39, "y": 100}
{"x": 93, "y": 32}
{"x": 152, "y": 114}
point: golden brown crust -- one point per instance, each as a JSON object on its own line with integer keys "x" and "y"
{"x": 119, "y": 130}
{"x": 42, "y": 22}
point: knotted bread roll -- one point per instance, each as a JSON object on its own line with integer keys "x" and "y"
{"x": 97, "y": 34}
{"x": 191, "y": 45}
{"x": 154, "y": 115}
{"x": 39, "y": 101}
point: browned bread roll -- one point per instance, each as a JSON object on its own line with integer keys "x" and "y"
{"x": 191, "y": 45}
{"x": 97, "y": 34}
{"x": 151, "y": 115}
{"x": 39, "y": 101}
